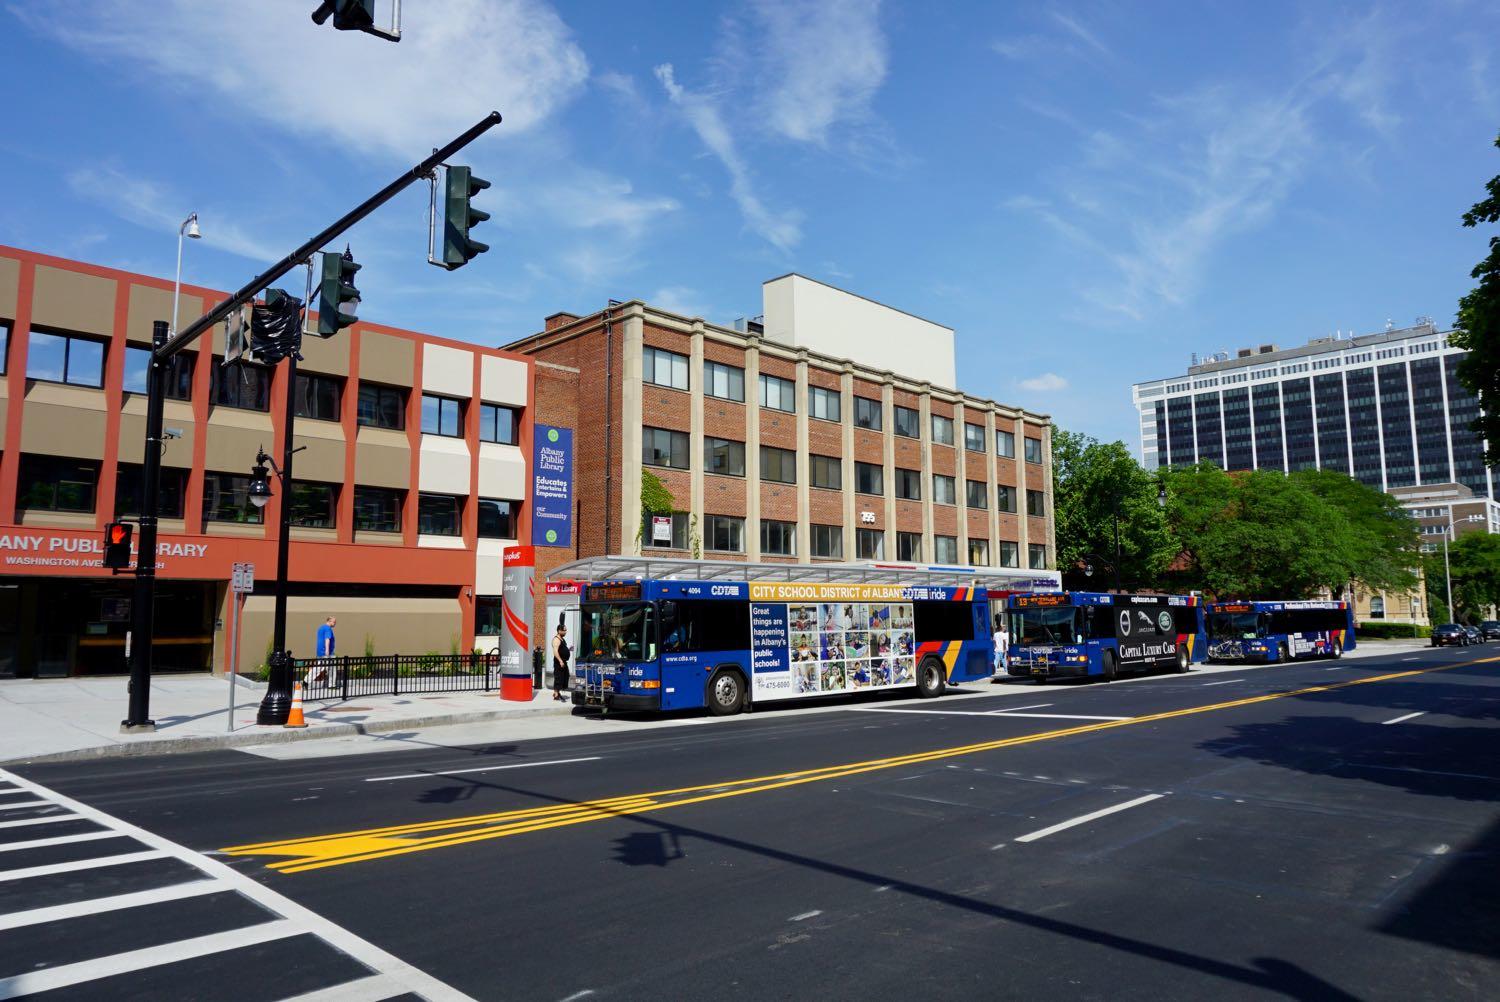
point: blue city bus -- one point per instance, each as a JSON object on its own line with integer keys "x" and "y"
{"x": 1272, "y": 632}
{"x": 660, "y": 644}
{"x": 1100, "y": 635}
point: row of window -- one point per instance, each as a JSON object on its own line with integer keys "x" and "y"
{"x": 726, "y": 534}
{"x": 54, "y": 483}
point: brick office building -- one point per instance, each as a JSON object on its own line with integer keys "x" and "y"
{"x": 827, "y": 429}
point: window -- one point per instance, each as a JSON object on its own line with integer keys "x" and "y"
{"x": 437, "y": 515}
{"x": 724, "y": 381}
{"x": 827, "y": 472}
{"x": 827, "y": 540}
{"x": 823, "y": 404}
{"x": 944, "y": 489}
{"x": 1005, "y": 498}
{"x": 1036, "y": 556}
{"x": 945, "y": 549}
{"x": 179, "y": 372}
{"x": 314, "y": 505}
{"x": 499, "y": 424}
{"x": 867, "y": 413}
{"x": 56, "y": 483}
{"x": 973, "y": 437}
{"x": 909, "y": 484}
{"x": 724, "y": 456}
{"x": 676, "y": 540}
{"x": 724, "y": 534}
{"x": 442, "y": 416}
{"x": 660, "y": 447}
{"x": 1036, "y": 503}
{"x": 319, "y": 397}
{"x": 979, "y": 553}
{"x": 64, "y": 358}
{"x": 130, "y": 486}
{"x": 778, "y": 394}
{"x": 226, "y": 498}
{"x": 487, "y": 615}
{"x": 1005, "y": 444}
{"x": 4, "y": 347}
{"x": 665, "y": 368}
{"x": 242, "y": 385}
{"x": 908, "y": 423}
{"x": 1377, "y": 607}
{"x": 909, "y": 546}
{"x": 942, "y": 430}
{"x": 377, "y": 509}
{"x": 1033, "y": 450}
{"x": 778, "y": 465}
{"x": 869, "y": 544}
{"x": 382, "y": 406}
{"x": 1009, "y": 555}
{"x": 975, "y": 494}
{"x": 497, "y": 518}
{"x": 869, "y": 478}
{"x": 778, "y": 538}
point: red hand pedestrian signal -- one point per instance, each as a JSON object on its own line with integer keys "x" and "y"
{"x": 117, "y": 545}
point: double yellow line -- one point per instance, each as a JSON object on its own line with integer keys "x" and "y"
{"x": 316, "y": 852}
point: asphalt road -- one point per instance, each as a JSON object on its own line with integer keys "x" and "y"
{"x": 1322, "y": 830}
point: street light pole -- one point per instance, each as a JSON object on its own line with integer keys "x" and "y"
{"x": 277, "y": 703}
{"x": 1116, "y": 508}
{"x": 189, "y": 229}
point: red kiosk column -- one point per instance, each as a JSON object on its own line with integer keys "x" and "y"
{"x": 517, "y": 584}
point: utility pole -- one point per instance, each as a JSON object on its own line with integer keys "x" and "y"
{"x": 164, "y": 347}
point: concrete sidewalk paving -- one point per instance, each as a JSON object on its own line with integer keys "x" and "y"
{"x": 59, "y": 719}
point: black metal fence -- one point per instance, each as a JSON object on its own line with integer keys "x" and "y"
{"x": 393, "y": 674}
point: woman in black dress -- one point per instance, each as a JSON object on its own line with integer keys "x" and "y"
{"x": 561, "y": 653}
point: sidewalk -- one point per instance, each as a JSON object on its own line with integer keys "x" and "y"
{"x": 77, "y": 718}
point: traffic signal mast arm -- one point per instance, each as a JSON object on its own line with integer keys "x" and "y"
{"x": 301, "y": 254}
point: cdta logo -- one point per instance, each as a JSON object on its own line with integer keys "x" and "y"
{"x": 552, "y": 434}
{"x": 551, "y": 535}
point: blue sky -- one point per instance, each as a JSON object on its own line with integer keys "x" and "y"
{"x": 1086, "y": 192}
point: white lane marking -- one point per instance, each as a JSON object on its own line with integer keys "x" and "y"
{"x": 45, "y": 819}
{"x": 38, "y": 843}
{"x": 1086, "y": 818}
{"x": 1411, "y": 659}
{"x": 806, "y": 915}
{"x": 82, "y": 864}
{"x": 13, "y": 792}
{"x": 989, "y": 713}
{"x": 371, "y": 989}
{"x": 409, "y": 978}
{"x": 487, "y": 768}
{"x": 579, "y": 995}
{"x": 52, "y": 978}
{"x": 1407, "y": 717}
{"x": 23, "y": 803}
{"x": 114, "y": 903}
{"x": 1062, "y": 716}
{"x": 1028, "y": 706}
{"x": 1224, "y": 681}
{"x": 1422, "y": 772}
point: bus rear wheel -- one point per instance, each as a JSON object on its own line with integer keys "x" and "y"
{"x": 726, "y": 693}
{"x": 930, "y": 678}
{"x": 1182, "y": 660}
{"x": 1338, "y": 648}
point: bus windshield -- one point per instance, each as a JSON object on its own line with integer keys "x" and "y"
{"x": 618, "y": 632}
{"x": 1043, "y": 626}
{"x": 1233, "y": 626}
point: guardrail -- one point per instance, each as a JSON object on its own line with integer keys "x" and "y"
{"x": 344, "y": 677}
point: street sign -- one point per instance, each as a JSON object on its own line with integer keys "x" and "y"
{"x": 242, "y": 579}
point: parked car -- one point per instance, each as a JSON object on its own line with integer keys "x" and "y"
{"x": 1475, "y": 637}
{"x": 1450, "y": 635}
{"x": 1491, "y": 629}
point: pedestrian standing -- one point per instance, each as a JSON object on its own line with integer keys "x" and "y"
{"x": 323, "y": 647}
{"x": 561, "y": 652}
{"x": 1002, "y": 644}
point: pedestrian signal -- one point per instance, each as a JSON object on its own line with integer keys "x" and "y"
{"x": 117, "y": 545}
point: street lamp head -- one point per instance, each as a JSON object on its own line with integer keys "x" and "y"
{"x": 260, "y": 485}
{"x": 1161, "y": 496}
{"x": 190, "y": 227}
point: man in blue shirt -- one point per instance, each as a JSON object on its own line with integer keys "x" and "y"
{"x": 323, "y": 648}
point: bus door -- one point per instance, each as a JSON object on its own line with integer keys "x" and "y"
{"x": 620, "y": 648}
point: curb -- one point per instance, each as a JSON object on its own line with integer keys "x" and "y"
{"x": 213, "y": 742}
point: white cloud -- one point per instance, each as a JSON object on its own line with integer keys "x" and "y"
{"x": 150, "y": 204}
{"x": 1074, "y": 27}
{"x": 782, "y": 229}
{"x": 589, "y": 200}
{"x": 820, "y": 63}
{"x": 678, "y": 299}
{"x": 456, "y": 61}
{"x": 1047, "y": 382}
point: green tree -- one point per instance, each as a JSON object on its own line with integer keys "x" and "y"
{"x": 1092, "y": 481}
{"x": 1379, "y": 535}
{"x": 1478, "y": 328}
{"x": 1474, "y": 560}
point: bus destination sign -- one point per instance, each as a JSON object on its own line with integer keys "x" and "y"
{"x": 613, "y": 592}
{"x": 1038, "y": 601}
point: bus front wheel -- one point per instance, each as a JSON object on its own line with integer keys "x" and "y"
{"x": 1110, "y": 665}
{"x": 726, "y": 693}
{"x": 930, "y": 679}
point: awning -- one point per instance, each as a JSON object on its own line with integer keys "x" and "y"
{"x": 623, "y": 568}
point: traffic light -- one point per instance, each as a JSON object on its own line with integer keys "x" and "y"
{"x": 276, "y": 327}
{"x": 117, "y": 545}
{"x": 459, "y": 216}
{"x": 348, "y": 15}
{"x": 337, "y": 297}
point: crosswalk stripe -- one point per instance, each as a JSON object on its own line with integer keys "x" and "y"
{"x": 38, "y": 843}
{"x": 114, "y": 903}
{"x": 43, "y": 820}
{"x": 81, "y": 864}
{"x": 53, "y": 978}
{"x": 25, "y": 803}
{"x": 371, "y": 989}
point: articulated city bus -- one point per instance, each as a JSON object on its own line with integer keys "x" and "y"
{"x": 1279, "y": 631}
{"x": 715, "y": 635}
{"x": 1100, "y": 635}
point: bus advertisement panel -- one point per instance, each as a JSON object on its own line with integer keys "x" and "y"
{"x": 1271, "y": 632}
{"x": 1099, "y": 635}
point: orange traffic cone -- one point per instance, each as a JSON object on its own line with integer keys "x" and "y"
{"x": 294, "y": 717}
